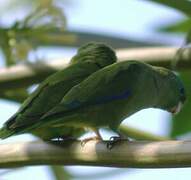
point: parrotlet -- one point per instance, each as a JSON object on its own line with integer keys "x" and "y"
{"x": 89, "y": 59}
{"x": 113, "y": 93}
{"x": 106, "y": 98}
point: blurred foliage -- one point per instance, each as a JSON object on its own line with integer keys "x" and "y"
{"x": 182, "y": 6}
{"x": 182, "y": 26}
{"x": 18, "y": 96}
{"x": 60, "y": 173}
{"x": 181, "y": 123}
{"x": 42, "y": 17}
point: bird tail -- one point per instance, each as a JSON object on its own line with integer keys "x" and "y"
{"x": 5, "y": 133}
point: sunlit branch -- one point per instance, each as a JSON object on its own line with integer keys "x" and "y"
{"x": 138, "y": 154}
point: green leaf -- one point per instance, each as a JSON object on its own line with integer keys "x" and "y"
{"x": 182, "y": 26}
{"x": 182, "y": 5}
{"x": 60, "y": 173}
{"x": 17, "y": 95}
{"x": 181, "y": 122}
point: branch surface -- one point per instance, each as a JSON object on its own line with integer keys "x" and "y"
{"x": 136, "y": 154}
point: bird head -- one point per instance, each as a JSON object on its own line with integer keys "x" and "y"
{"x": 171, "y": 91}
{"x": 99, "y": 53}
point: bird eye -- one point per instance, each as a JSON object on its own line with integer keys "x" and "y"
{"x": 182, "y": 95}
{"x": 182, "y": 91}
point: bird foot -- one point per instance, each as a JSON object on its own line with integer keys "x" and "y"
{"x": 67, "y": 138}
{"x": 64, "y": 138}
{"x": 84, "y": 141}
{"x": 59, "y": 140}
{"x": 114, "y": 140}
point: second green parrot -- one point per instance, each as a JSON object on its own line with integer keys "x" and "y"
{"x": 89, "y": 58}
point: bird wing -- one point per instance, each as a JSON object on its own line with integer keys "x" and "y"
{"x": 104, "y": 86}
{"x": 32, "y": 108}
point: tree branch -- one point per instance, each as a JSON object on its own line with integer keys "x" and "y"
{"x": 27, "y": 74}
{"x": 163, "y": 154}
{"x": 160, "y": 56}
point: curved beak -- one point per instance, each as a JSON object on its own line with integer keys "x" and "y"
{"x": 176, "y": 109}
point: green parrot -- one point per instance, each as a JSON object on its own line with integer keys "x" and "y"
{"x": 89, "y": 58}
{"x": 113, "y": 93}
{"x": 106, "y": 98}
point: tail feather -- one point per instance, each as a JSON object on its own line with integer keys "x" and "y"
{"x": 5, "y": 133}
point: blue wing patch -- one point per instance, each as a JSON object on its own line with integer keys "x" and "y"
{"x": 107, "y": 99}
{"x": 74, "y": 104}
{"x": 102, "y": 100}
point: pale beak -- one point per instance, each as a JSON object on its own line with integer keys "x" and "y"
{"x": 176, "y": 109}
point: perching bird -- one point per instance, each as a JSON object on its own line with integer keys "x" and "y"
{"x": 114, "y": 93}
{"x": 108, "y": 96}
{"x": 90, "y": 58}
